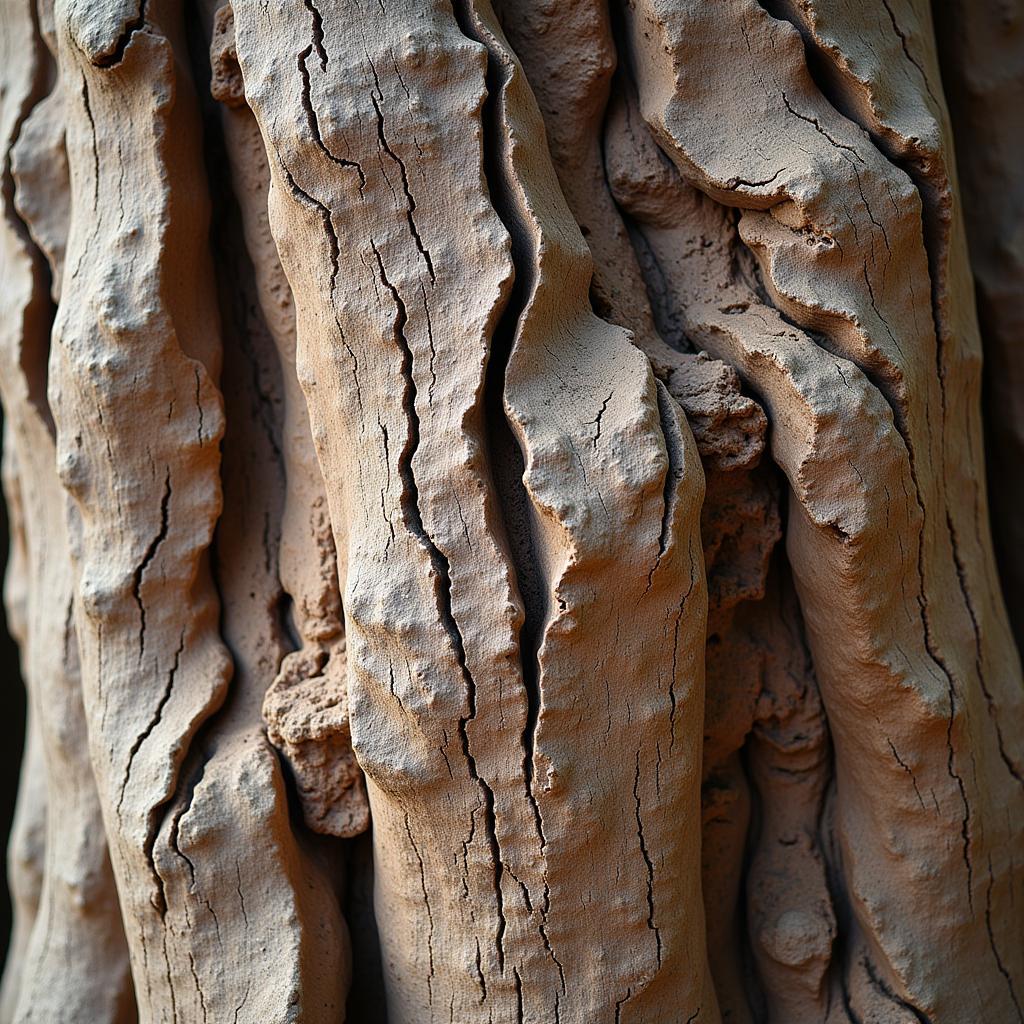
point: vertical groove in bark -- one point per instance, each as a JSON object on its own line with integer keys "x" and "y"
{"x": 307, "y": 706}
{"x": 578, "y": 550}
{"x": 751, "y": 653}
{"x": 886, "y": 88}
{"x": 791, "y": 920}
{"x": 569, "y": 56}
{"x": 269, "y": 900}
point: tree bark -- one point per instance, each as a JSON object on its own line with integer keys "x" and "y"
{"x": 499, "y": 524}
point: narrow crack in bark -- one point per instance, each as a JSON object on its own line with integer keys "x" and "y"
{"x": 332, "y": 237}
{"x": 995, "y": 949}
{"x": 934, "y": 187}
{"x": 527, "y": 567}
{"x": 153, "y": 722}
{"x": 314, "y": 121}
{"x": 430, "y": 918}
{"x": 887, "y": 993}
{"x": 410, "y": 202}
{"x": 147, "y": 558}
{"x": 647, "y": 860}
{"x": 442, "y": 585}
{"x": 961, "y": 575}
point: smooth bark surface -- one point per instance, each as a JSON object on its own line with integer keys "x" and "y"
{"x": 499, "y": 524}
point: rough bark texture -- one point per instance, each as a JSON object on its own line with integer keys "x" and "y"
{"x": 498, "y": 515}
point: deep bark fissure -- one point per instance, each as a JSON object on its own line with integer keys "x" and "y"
{"x": 515, "y": 501}
{"x": 897, "y": 408}
{"x": 114, "y": 55}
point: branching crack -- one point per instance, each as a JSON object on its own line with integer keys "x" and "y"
{"x": 313, "y": 120}
{"x": 335, "y": 250}
{"x": 817, "y": 127}
{"x": 173, "y": 844}
{"x": 883, "y": 989}
{"x": 154, "y": 721}
{"x": 600, "y": 416}
{"x": 907, "y": 769}
{"x": 734, "y": 183}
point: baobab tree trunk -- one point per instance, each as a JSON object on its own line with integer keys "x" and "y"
{"x": 498, "y": 504}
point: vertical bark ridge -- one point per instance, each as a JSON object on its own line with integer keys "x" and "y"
{"x": 135, "y": 344}
{"x": 78, "y": 902}
{"x": 73, "y": 891}
{"x": 568, "y": 540}
{"x": 880, "y": 78}
{"x": 569, "y": 57}
{"x": 374, "y": 257}
{"x": 735, "y": 325}
{"x": 401, "y": 382}
{"x": 982, "y": 57}
{"x": 279, "y": 911}
{"x": 873, "y": 315}
{"x": 758, "y": 682}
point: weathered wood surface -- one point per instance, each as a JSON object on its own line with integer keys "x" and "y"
{"x": 404, "y": 406}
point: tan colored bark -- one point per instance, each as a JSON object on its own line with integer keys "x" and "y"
{"x": 307, "y": 706}
{"x": 921, "y": 636}
{"x": 403, "y": 408}
{"x": 72, "y": 964}
{"x": 26, "y": 843}
{"x": 516, "y": 918}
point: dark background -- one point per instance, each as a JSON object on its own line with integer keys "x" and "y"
{"x": 12, "y": 731}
